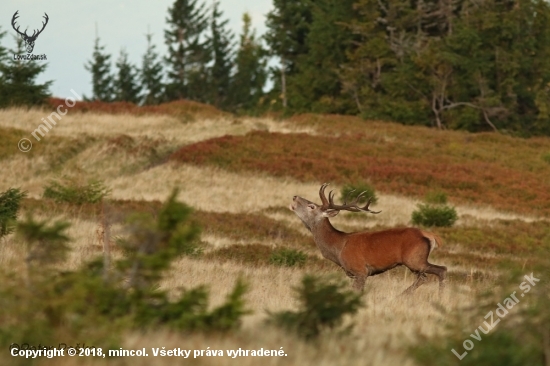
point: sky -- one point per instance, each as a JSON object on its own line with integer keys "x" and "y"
{"x": 68, "y": 39}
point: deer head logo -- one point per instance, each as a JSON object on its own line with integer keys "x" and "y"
{"x": 29, "y": 40}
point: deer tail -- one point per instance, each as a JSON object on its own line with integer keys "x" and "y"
{"x": 435, "y": 240}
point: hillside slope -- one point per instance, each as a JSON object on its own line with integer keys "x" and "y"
{"x": 239, "y": 174}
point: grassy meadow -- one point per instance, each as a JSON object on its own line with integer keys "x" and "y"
{"x": 239, "y": 175}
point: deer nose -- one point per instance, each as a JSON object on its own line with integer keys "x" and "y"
{"x": 294, "y": 198}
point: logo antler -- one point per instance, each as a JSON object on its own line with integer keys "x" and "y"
{"x": 29, "y": 40}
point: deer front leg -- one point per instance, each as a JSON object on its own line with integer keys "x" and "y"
{"x": 358, "y": 280}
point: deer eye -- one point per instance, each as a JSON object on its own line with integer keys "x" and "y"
{"x": 311, "y": 207}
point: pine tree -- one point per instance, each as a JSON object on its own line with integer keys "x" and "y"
{"x": 221, "y": 46}
{"x": 18, "y": 80}
{"x": 100, "y": 67}
{"x": 151, "y": 75}
{"x": 188, "y": 54}
{"x": 251, "y": 73}
{"x": 126, "y": 86}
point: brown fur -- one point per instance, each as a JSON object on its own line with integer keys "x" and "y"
{"x": 363, "y": 254}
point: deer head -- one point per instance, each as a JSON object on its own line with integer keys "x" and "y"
{"x": 29, "y": 40}
{"x": 311, "y": 213}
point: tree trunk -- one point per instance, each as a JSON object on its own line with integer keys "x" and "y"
{"x": 283, "y": 81}
{"x": 106, "y": 243}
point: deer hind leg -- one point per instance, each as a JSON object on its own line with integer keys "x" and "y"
{"x": 420, "y": 280}
{"x": 441, "y": 273}
{"x": 359, "y": 283}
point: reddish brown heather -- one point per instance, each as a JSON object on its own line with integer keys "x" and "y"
{"x": 401, "y": 166}
{"x": 178, "y": 108}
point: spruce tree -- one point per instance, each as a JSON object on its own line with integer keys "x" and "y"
{"x": 18, "y": 80}
{"x": 126, "y": 86}
{"x": 151, "y": 75}
{"x": 368, "y": 60}
{"x": 316, "y": 83}
{"x": 3, "y": 66}
{"x": 3, "y": 50}
{"x": 188, "y": 53}
{"x": 221, "y": 44}
{"x": 477, "y": 66}
{"x": 288, "y": 27}
{"x": 100, "y": 67}
{"x": 251, "y": 73}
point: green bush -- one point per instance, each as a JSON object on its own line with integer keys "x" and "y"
{"x": 323, "y": 306}
{"x": 434, "y": 215}
{"x": 10, "y": 202}
{"x": 287, "y": 257}
{"x": 350, "y": 191}
{"x": 71, "y": 191}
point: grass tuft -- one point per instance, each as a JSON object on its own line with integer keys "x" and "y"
{"x": 288, "y": 257}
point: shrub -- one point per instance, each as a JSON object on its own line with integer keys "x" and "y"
{"x": 46, "y": 244}
{"x": 71, "y": 191}
{"x": 350, "y": 191}
{"x": 153, "y": 243}
{"x": 99, "y": 301}
{"x": 288, "y": 257}
{"x": 434, "y": 215}
{"x": 323, "y": 306}
{"x": 10, "y": 202}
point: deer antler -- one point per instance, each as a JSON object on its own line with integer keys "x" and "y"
{"x": 13, "y": 19}
{"x": 35, "y": 33}
{"x": 322, "y": 194}
{"x": 353, "y": 206}
{"x": 43, "y": 26}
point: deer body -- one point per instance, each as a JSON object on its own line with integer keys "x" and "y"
{"x": 363, "y": 254}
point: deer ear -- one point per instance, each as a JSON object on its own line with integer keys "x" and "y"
{"x": 330, "y": 213}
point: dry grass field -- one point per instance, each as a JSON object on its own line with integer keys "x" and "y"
{"x": 239, "y": 175}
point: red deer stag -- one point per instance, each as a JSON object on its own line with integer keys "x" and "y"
{"x": 363, "y": 254}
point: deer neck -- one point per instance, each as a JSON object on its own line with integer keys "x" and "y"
{"x": 329, "y": 240}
